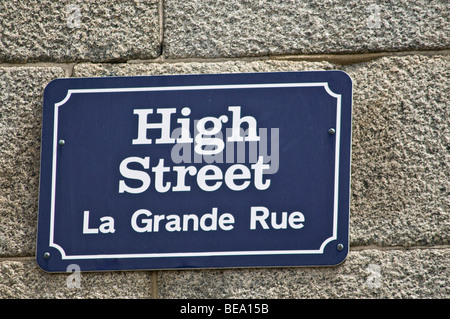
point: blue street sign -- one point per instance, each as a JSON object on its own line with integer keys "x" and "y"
{"x": 195, "y": 171}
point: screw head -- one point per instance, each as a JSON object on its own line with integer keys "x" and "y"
{"x": 331, "y": 131}
{"x": 46, "y": 255}
{"x": 61, "y": 142}
{"x": 340, "y": 247}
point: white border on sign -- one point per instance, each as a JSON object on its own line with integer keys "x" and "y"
{"x": 198, "y": 254}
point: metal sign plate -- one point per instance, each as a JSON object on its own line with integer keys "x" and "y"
{"x": 195, "y": 171}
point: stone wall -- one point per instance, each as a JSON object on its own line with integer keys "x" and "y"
{"x": 397, "y": 53}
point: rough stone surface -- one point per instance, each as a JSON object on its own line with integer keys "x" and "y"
{"x": 400, "y": 185}
{"x": 400, "y": 148}
{"x": 24, "y": 280}
{"x": 372, "y": 273}
{"x": 75, "y": 30}
{"x": 400, "y": 191}
{"x": 365, "y": 274}
{"x": 21, "y": 91}
{"x": 237, "y": 28}
{"x": 401, "y": 151}
{"x": 88, "y": 69}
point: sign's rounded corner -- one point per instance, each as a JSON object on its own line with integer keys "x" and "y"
{"x": 343, "y": 257}
{"x": 345, "y": 76}
{"x": 341, "y": 251}
{"x": 42, "y": 264}
{"x": 48, "y": 258}
{"x": 50, "y": 85}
